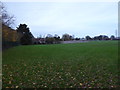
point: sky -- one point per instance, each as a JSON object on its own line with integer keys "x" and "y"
{"x": 75, "y": 18}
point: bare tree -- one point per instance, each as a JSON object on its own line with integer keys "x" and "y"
{"x": 5, "y": 18}
{"x": 66, "y": 37}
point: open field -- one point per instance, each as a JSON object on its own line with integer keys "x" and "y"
{"x": 90, "y": 64}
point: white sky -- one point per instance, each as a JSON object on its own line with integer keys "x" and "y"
{"x": 76, "y": 18}
{"x": 60, "y": 0}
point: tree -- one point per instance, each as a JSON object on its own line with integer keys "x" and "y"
{"x": 24, "y": 34}
{"x": 101, "y": 37}
{"x": 66, "y": 37}
{"x": 6, "y": 19}
{"x": 77, "y": 38}
{"x": 50, "y": 40}
{"x": 112, "y": 37}
{"x": 105, "y": 37}
{"x": 23, "y": 28}
{"x": 57, "y": 38}
{"x": 26, "y": 39}
{"x": 88, "y": 38}
{"x": 71, "y": 37}
{"x": 95, "y": 38}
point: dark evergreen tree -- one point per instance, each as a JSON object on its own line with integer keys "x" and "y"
{"x": 26, "y": 35}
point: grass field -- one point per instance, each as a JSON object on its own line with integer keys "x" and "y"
{"x": 81, "y": 65}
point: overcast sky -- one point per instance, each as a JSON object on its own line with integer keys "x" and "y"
{"x": 76, "y": 18}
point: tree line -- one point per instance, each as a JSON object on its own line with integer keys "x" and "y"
{"x": 23, "y": 36}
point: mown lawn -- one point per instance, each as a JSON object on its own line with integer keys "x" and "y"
{"x": 79, "y": 65}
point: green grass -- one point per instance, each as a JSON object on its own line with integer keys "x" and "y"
{"x": 91, "y": 65}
